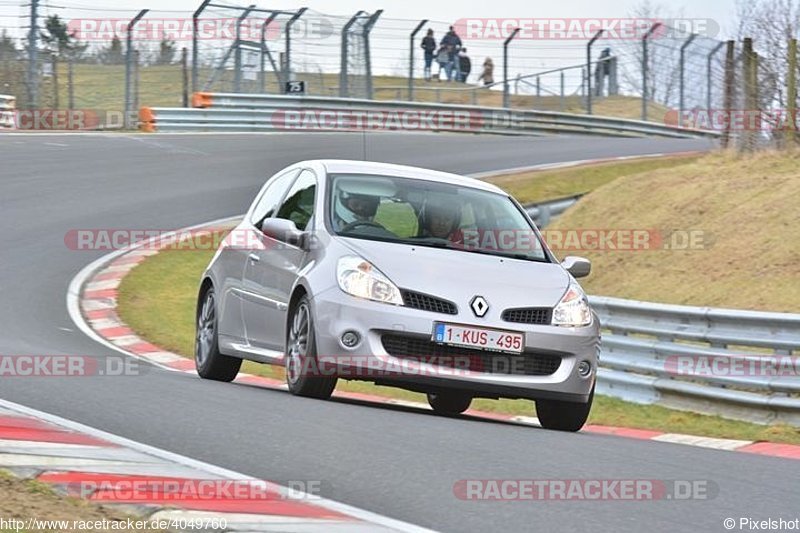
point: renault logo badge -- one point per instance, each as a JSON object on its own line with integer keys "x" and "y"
{"x": 479, "y": 306}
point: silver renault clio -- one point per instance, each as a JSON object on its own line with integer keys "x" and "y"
{"x": 406, "y": 277}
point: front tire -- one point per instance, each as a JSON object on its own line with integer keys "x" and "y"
{"x": 563, "y": 416}
{"x": 450, "y": 402}
{"x": 301, "y": 356}
{"x": 210, "y": 363}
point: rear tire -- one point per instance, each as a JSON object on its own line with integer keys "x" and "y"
{"x": 563, "y": 416}
{"x": 301, "y": 356}
{"x": 210, "y": 363}
{"x": 449, "y": 402}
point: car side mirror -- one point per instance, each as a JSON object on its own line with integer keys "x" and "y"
{"x": 579, "y": 267}
{"x": 285, "y": 231}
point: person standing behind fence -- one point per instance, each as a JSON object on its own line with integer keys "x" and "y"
{"x": 488, "y": 72}
{"x": 465, "y": 65}
{"x": 445, "y": 61}
{"x": 429, "y": 45}
{"x": 452, "y": 43}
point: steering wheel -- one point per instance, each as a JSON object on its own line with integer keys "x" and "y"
{"x": 358, "y": 223}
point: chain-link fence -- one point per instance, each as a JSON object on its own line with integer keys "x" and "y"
{"x": 73, "y": 57}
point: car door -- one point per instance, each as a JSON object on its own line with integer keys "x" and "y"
{"x": 266, "y": 206}
{"x": 272, "y": 271}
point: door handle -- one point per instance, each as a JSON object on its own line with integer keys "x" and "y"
{"x": 254, "y": 258}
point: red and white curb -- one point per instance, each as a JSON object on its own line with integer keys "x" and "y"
{"x": 92, "y": 301}
{"x": 110, "y": 470}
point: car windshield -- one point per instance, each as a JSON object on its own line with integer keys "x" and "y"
{"x": 434, "y": 214}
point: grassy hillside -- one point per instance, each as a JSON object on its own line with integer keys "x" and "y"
{"x": 745, "y": 212}
{"x": 102, "y": 87}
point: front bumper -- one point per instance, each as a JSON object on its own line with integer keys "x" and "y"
{"x": 336, "y": 312}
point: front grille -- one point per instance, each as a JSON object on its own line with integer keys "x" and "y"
{"x": 425, "y": 302}
{"x": 529, "y": 315}
{"x": 425, "y": 351}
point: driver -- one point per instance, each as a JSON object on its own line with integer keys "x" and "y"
{"x": 354, "y": 207}
{"x": 440, "y": 219}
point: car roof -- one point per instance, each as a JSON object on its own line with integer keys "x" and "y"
{"x": 343, "y": 166}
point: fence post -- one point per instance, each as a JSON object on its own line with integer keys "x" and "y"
{"x": 645, "y": 67}
{"x": 237, "y": 56}
{"x": 589, "y": 69}
{"x": 185, "y": 75}
{"x": 265, "y": 52}
{"x": 749, "y": 103}
{"x": 71, "y": 84}
{"x": 195, "y": 45}
{"x": 136, "y": 80}
{"x": 561, "y": 93}
{"x": 411, "y": 59}
{"x": 791, "y": 92}
{"x": 287, "y": 75}
{"x": 682, "y": 66}
{"x": 129, "y": 66}
{"x": 343, "y": 81}
{"x": 54, "y": 60}
{"x": 730, "y": 77}
{"x": 33, "y": 67}
{"x": 708, "y": 74}
{"x": 505, "y": 66}
{"x": 367, "y": 56}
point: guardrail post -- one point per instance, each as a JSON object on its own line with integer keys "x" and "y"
{"x": 589, "y": 70}
{"x": 505, "y": 66}
{"x": 128, "y": 66}
{"x": 195, "y": 44}
{"x": 791, "y": 91}
{"x": 645, "y": 68}
{"x": 411, "y": 58}
{"x": 708, "y": 74}
{"x": 266, "y": 52}
{"x": 367, "y": 56}
{"x": 682, "y": 67}
{"x": 237, "y": 56}
{"x": 288, "y": 51}
{"x": 343, "y": 81}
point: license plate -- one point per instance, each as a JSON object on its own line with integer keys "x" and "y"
{"x": 472, "y": 337}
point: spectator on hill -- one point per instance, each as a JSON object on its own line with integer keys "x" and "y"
{"x": 465, "y": 65}
{"x": 429, "y": 45}
{"x": 452, "y": 42}
{"x": 445, "y": 60}
{"x": 488, "y": 72}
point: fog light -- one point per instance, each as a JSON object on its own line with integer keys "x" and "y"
{"x": 350, "y": 339}
{"x": 584, "y": 368}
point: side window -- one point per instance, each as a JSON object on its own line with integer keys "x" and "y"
{"x": 299, "y": 203}
{"x": 268, "y": 203}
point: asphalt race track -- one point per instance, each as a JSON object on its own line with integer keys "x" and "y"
{"x": 394, "y": 461}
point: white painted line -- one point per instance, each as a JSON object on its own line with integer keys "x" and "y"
{"x": 702, "y": 442}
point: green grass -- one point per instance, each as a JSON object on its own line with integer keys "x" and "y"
{"x": 102, "y": 88}
{"x": 157, "y": 299}
{"x": 542, "y": 185}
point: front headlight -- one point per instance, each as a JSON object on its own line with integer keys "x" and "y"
{"x": 573, "y": 309}
{"x": 358, "y": 277}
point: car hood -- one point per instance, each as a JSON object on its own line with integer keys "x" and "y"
{"x": 458, "y": 276}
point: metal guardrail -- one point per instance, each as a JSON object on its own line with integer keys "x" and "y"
{"x": 8, "y": 106}
{"x": 736, "y": 364}
{"x": 247, "y": 112}
{"x": 542, "y": 213}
